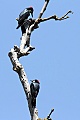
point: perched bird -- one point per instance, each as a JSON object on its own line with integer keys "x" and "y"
{"x": 34, "y": 87}
{"x": 24, "y": 15}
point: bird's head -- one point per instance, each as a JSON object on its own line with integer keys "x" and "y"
{"x": 30, "y": 9}
{"x": 35, "y": 81}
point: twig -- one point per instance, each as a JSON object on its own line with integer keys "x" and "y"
{"x": 65, "y": 16}
{"x": 54, "y": 17}
{"x": 48, "y": 117}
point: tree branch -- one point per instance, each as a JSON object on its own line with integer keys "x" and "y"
{"x": 44, "y": 8}
{"x": 17, "y": 67}
{"x": 48, "y": 117}
{"x": 54, "y": 17}
{"x": 24, "y": 49}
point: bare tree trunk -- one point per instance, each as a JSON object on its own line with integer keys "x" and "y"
{"x": 17, "y": 67}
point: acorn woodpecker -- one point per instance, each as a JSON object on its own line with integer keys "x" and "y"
{"x": 34, "y": 87}
{"x": 24, "y": 15}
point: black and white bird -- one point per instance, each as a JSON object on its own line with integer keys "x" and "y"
{"x": 24, "y": 15}
{"x": 34, "y": 87}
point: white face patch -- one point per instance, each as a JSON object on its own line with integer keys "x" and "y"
{"x": 33, "y": 81}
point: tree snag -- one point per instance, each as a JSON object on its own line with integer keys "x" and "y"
{"x": 25, "y": 49}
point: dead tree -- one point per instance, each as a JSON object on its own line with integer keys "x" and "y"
{"x": 17, "y": 52}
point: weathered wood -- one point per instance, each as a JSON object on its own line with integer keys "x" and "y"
{"x": 14, "y": 55}
{"x": 44, "y": 8}
{"x": 17, "y": 67}
{"x": 25, "y": 49}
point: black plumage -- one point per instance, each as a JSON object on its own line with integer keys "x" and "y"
{"x": 24, "y": 15}
{"x": 34, "y": 87}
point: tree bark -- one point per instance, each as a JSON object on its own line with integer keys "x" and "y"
{"x": 17, "y": 67}
{"x": 14, "y": 55}
{"x": 17, "y": 52}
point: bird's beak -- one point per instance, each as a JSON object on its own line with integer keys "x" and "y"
{"x": 32, "y": 14}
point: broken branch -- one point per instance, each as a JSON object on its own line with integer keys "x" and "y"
{"x": 50, "y": 114}
{"x": 44, "y": 8}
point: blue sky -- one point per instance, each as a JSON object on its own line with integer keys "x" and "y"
{"x": 55, "y": 61}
